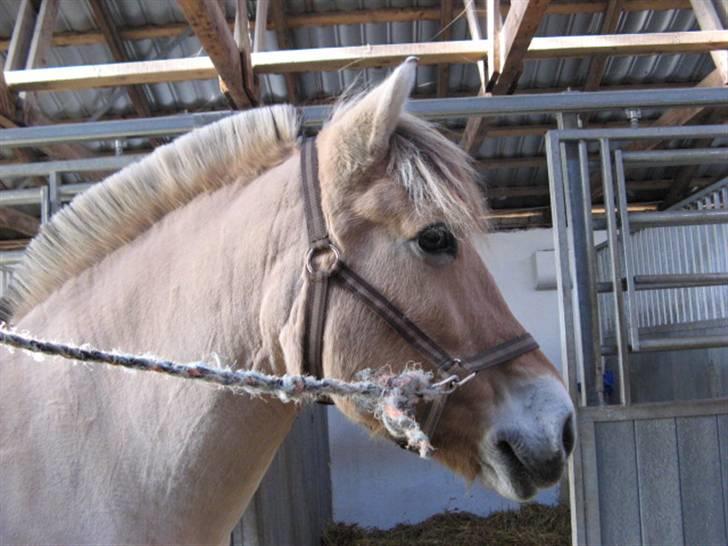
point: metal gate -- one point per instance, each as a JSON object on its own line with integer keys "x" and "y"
{"x": 644, "y": 316}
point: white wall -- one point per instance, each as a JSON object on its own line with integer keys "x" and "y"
{"x": 376, "y": 484}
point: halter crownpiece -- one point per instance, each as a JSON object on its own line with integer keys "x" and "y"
{"x": 344, "y": 277}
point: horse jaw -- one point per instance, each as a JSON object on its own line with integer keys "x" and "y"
{"x": 532, "y": 436}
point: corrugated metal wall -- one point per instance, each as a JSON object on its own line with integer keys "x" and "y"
{"x": 684, "y": 375}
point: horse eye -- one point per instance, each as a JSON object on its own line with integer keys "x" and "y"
{"x": 437, "y": 239}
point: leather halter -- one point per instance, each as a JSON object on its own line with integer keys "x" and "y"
{"x": 344, "y": 277}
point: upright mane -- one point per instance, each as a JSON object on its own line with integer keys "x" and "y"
{"x": 112, "y": 214}
{"x": 435, "y": 172}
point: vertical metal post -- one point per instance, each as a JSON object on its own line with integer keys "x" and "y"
{"x": 564, "y": 278}
{"x": 583, "y": 261}
{"x": 614, "y": 243}
{"x": 565, "y": 283}
{"x": 45, "y": 208}
{"x": 54, "y": 197}
{"x": 627, "y": 253}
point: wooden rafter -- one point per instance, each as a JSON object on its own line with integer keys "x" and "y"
{"x": 515, "y": 38}
{"x": 42, "y": 38}
{"x": 22, "y": 36}
{"x": 261, "y": 24}
{"x": 445, "y": 34}
{"x": 105, "y": 23}
{"x": 241, "y": 35}
{"x": 349, "y": 17}
{"x": 302, "y": 60}
{"x": 19, "y": 222}
{"x": 494, "y": 27}
{"x": 30, "y": 42}
{"x": 209, "y": 24}
{"x": 599, "y": 62}
{"x": 518, "y": 30}
{"x": 476, "y": 34}
{"x": 278, "y": 15}
{"x": 679, "y": 116}
{"x": 709, "y": 19}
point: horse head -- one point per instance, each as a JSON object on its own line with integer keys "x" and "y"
{"x": 401, "y": 203}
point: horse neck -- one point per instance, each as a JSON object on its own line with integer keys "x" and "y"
{"x": 220, "y": 276}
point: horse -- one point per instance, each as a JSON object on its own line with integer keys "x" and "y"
{"x": 198, "y": 250}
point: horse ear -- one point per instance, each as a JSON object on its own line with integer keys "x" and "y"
{"x": 361, "y": 133}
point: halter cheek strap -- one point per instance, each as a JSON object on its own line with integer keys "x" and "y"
{"x": 337, "y": 271}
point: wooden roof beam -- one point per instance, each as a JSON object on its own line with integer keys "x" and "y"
{"x": 708, "y": 19}
{"x": 241, "y": 35}
{"x": 351, "y": 17}
{"x": 29, "y": 46}
{"x": 208, "y": 22}
{"x": 445, "y": 34}
{"x": 105, "y": 23}
{"x": 518, "y": 30}
{"x": 513, "y": 42}
{"x": 335, "y": 58}
{"x": 21, "y": 37}
{"x": 42, "y": 38}
{"x": 19, "y": 222}
{"x": 278, "y": 15}
{"x": 599, "y": 62}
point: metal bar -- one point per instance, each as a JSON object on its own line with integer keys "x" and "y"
{"x": 565, "y": 285}
{"x": 585, "y": 265}
{"x": 458, "y": 107}
{"x": 674, "y": 343}
{"x": 657, "y": 410}
{"x": 694, "y": 156}
{"x": 11, "y": 257}
{"x": 630, "y": 297}
{"x": 54, "y": 198}
{"x": 564, "y": 279}
{"x": 28, "y": 196}
{"x": 616, "y": 270}
{"x": 69, "y": 191}
{"x": 647, "y": 133}
{"x": 576, "y": 187}
{"x": 44, "y": 168}
{"x": 108, "y": 130}
{"x": 663, "y": 282}
{"x": 45, "y": 209}
{"x": 671, "y": 218}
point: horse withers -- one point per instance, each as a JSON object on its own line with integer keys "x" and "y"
{"x": 198, "y": 250}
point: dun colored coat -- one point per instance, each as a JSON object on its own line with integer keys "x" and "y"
{"x": 197, "y": 250}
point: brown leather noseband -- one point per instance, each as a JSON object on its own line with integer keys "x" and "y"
{"x": 343, "y": 276}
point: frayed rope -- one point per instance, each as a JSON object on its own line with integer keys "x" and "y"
{"x": 390, "y": 397}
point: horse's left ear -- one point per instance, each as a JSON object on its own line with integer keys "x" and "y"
{"x": 359, "y": 135}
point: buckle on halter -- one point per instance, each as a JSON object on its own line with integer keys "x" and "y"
{"x": 317, "y": 250}
{"x": 452, "y": 363}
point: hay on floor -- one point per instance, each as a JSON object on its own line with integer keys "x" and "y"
{"x": 533, "y": 524}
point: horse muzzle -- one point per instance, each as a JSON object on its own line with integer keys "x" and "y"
{"x": 532, "y": 437}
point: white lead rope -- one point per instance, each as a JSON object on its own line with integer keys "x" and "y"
{"x": 390, "y": 397}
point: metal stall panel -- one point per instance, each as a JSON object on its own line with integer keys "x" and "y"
{"x": 645, "y": 473}
{"x": 660, "y": 473}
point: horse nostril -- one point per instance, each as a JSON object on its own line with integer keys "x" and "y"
{"x": 541, "y": 459}
{"x": 567, "y": 436}
{"x": 507, "y": 451}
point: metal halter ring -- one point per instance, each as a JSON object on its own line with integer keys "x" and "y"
{"x": 315, "y": 251}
